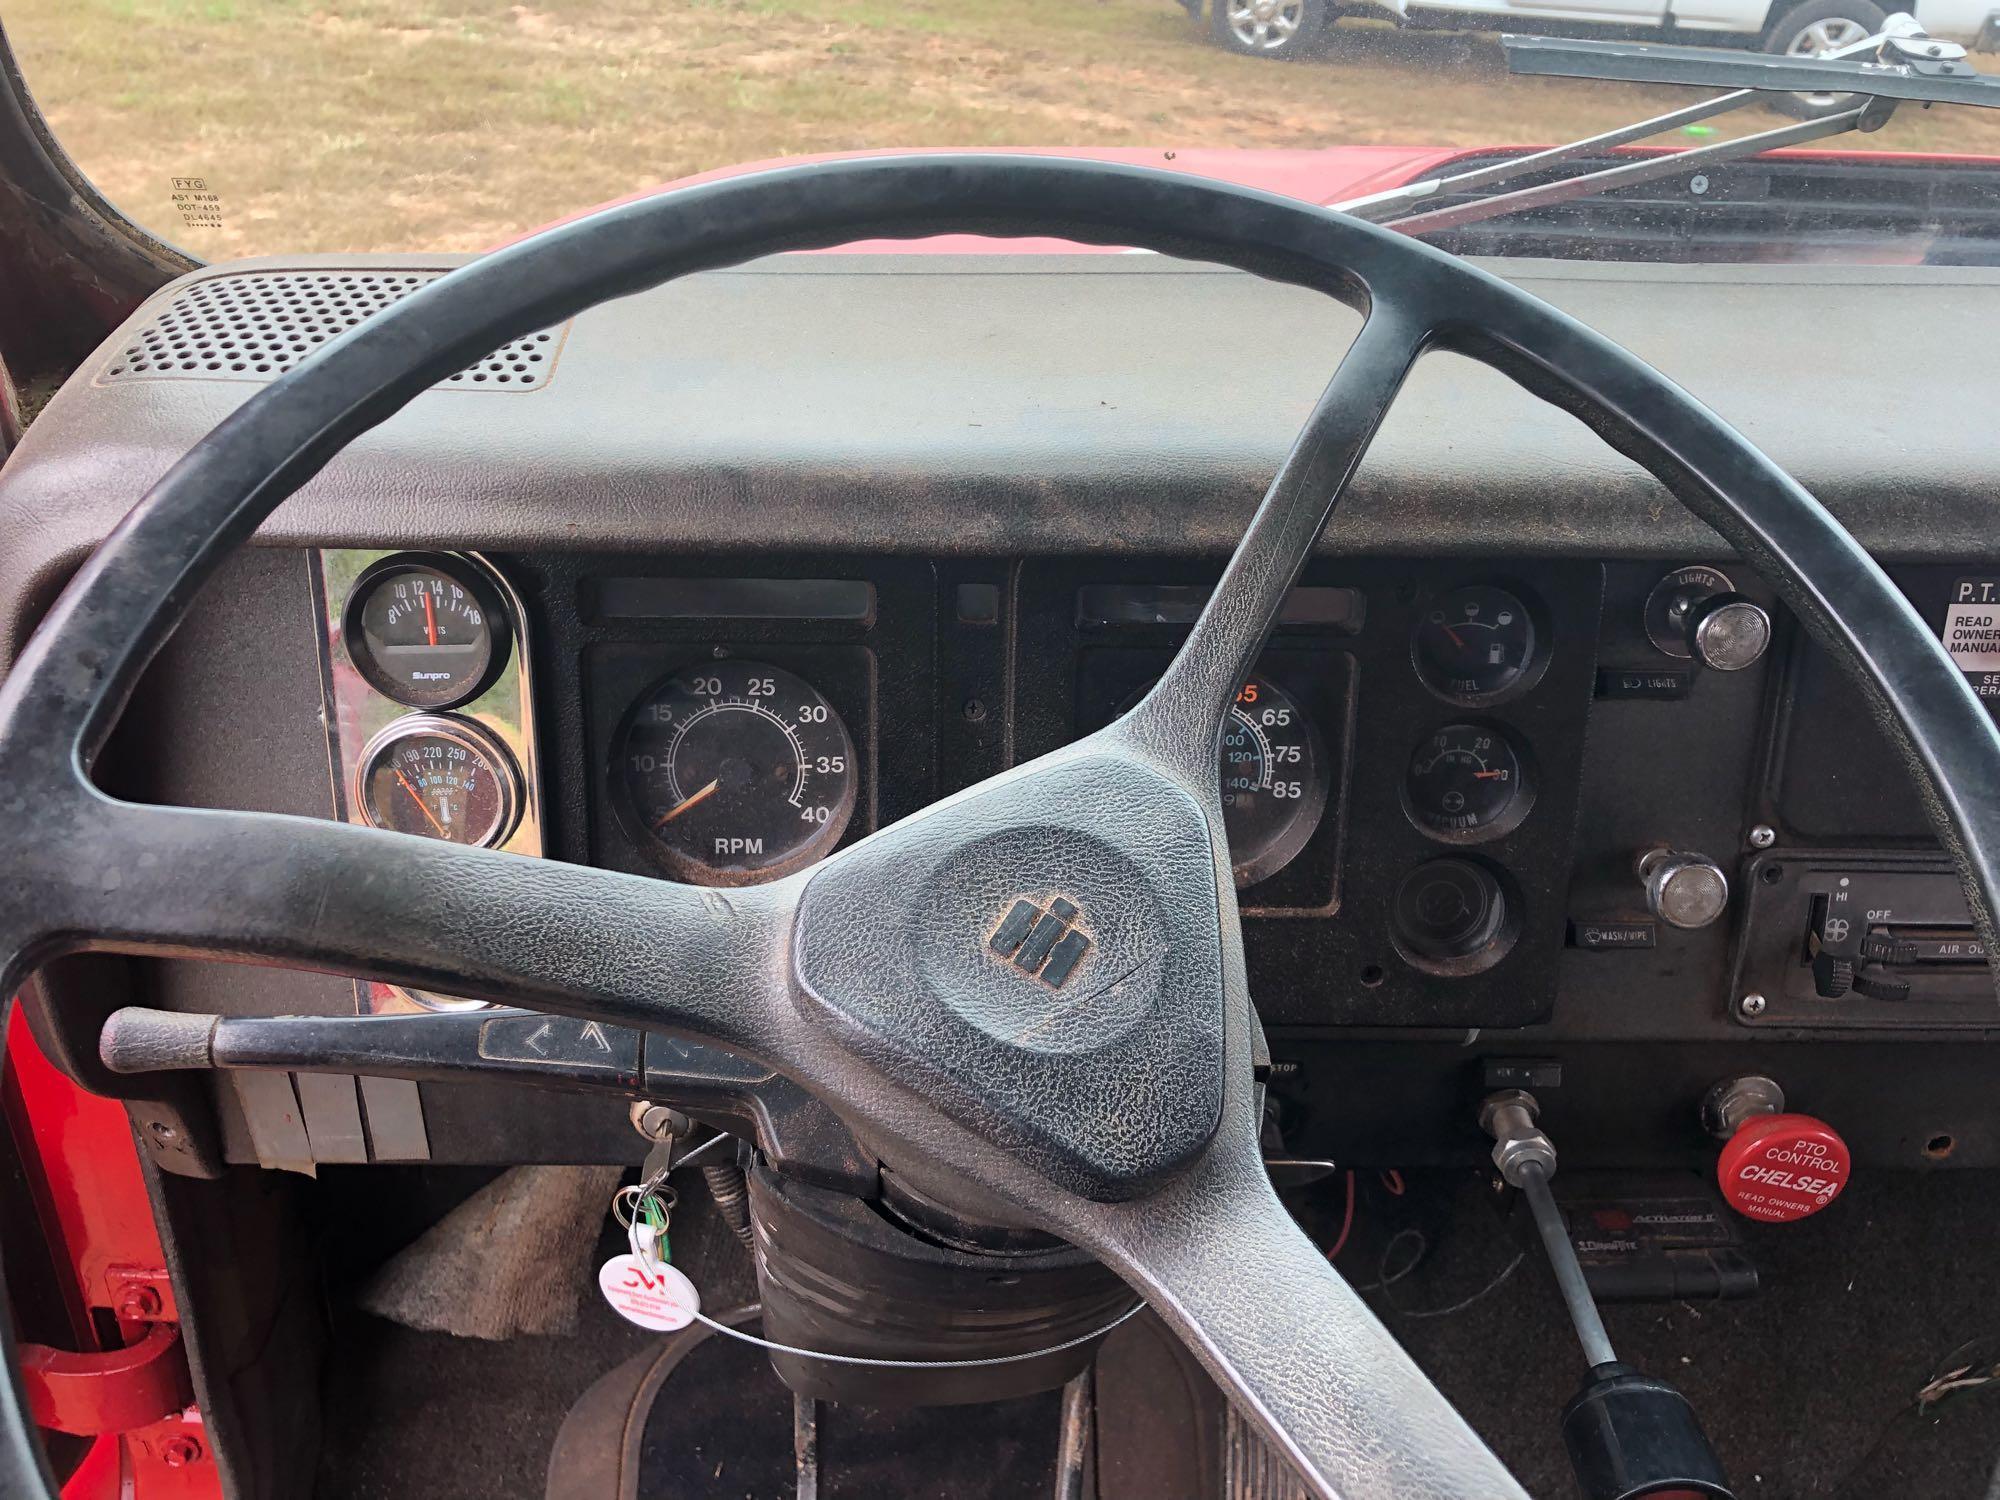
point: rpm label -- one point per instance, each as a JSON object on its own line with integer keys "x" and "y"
{"x": 1972, "y": 632}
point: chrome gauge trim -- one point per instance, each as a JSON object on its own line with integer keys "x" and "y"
{"x": 356, "y": 712}
{"x": 507, "y": 776}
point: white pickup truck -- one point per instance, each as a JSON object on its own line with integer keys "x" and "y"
{"x": 1283, "y": 28}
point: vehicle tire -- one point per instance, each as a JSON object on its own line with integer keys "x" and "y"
{"x": 1815, "y": 27}
{"x": 1269, "y": 28}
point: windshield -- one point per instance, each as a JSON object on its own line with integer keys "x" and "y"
{"x": 273, "y": 127}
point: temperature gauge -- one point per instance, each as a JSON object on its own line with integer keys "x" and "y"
{"x": 1475, "y": 645}
{"x": 439, "y": 777}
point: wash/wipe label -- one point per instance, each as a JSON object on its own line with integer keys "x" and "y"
{"x": 1972, "y": 632}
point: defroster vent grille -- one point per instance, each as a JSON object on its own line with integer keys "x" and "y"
{"x": 256, "y": 325}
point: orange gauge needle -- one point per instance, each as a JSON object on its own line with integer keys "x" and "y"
{"x": 431, "y": 619}
{"x": 686, "y": 802}
{"x": 422, "y": 805}
{"x": 1456, "y": 639}
{"x": 1486, "y": 775}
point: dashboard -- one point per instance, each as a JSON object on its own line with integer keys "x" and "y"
{"x": 1535, "y": 783}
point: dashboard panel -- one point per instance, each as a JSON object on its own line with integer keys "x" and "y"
{"x": 887, "y": 494}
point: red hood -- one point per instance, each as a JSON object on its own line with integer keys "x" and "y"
{"x": 1326, "y": 175}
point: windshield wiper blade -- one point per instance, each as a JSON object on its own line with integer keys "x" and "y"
{"x": 1914, "y": 69}
{"x": 1898, "y": 64}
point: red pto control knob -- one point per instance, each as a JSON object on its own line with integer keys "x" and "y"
{"x": 1778, "y": 1168}
{"x": 1775, "y": 1167}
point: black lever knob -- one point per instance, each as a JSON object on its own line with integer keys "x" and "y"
{"x": 1832, "y": 976}
{"x": 1630, "y": 1435}
{"x": 1877, "y": 985}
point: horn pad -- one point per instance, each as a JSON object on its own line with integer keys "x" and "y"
{"x": 1043, "y": 958}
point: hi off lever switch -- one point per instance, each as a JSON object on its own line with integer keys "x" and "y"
{"x": 1774, "y": 1167}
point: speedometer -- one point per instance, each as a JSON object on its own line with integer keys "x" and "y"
{"x": 1274, "y": 780}
{"x": 735, "y": 772}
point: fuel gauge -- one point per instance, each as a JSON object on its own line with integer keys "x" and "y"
{"x": 1475, "y": 645}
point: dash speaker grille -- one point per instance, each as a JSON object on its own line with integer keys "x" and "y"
{"x": 259, "y": 324}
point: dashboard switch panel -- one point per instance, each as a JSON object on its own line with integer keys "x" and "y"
{"x": 1862, "y": 939}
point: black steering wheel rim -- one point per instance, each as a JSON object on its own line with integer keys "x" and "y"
{"x": 89, "y": 872}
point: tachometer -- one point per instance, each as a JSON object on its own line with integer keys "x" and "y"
{"x": 735, "y": 772}
{"x": 1274, "y": 780}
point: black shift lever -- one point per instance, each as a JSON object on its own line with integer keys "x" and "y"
{"x": 1629, "y": 1435}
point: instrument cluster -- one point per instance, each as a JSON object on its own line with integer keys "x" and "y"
{"x": 1398, "y": 775}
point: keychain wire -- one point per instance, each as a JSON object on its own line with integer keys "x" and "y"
{"x": 918, "y": 1364}
{"x": 639, "y": 1193}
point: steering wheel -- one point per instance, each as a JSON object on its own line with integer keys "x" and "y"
{"x": 1117, "y": 1110}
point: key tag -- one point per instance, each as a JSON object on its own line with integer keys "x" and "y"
{"x": 658, "y": 1296}
{"x": 640, "y": 1285}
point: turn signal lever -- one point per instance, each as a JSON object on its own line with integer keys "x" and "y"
{"x": 1629, "y": 1435}
{"x": 797, "y": 1134}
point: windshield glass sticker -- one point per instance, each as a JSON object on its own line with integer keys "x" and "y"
{"x": 1972, "y": 632}
{"x": 200, "y": 207}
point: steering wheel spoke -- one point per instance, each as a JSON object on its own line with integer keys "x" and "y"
{"x": 310, "y": 894}
{"x": 1181, "y": 719}
{"x": 1221, "y": 1260}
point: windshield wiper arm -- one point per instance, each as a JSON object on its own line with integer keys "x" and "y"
{"x": 1904, "y": 64}
{"x": 1641, "y": 169}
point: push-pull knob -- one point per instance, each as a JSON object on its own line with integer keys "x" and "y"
{"x": 1727, "y": 632}
{"x": 1775, "y": 1167}
{"x": 1683, "y": 889}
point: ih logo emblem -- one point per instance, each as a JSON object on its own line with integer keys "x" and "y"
{"x": 1042, "y": 943}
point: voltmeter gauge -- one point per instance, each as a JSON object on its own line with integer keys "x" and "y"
{"x": 1467, "y": 782}
{"x": 1475, "y": 644}
{"x": 735, "y": 772}
{"x": 440, "y": 777}
{"x": 1274, "y": 780}
{"x": 426, "y": 631}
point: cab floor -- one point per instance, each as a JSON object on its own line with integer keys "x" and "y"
{"x": 1807, "y": 1390}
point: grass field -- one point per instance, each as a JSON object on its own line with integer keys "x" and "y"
{"x": 449, "y": 124}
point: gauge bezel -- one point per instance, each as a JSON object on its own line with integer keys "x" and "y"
{"x": 1513, "y": 923}
{"x": 1661, "y": 628}
{"x": 1541, "y": 649}
{"x": 476, "y": 738}
{"x": 499, "y": 626}
{"x": 685, "y": 868}
{"x": 1517, "y": 809}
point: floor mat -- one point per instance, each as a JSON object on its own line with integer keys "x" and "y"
{"x": 1804, "y": 1389}
{"x": 721, "y": 1429}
